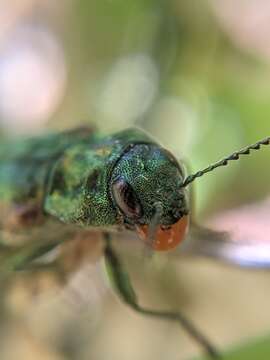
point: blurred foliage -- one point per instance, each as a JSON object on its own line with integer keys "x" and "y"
{"x": 173, "y": 68}
{"x": 254, "y": 350}
{"x": 209, "y": 96}
{"x": 222, "y": 91}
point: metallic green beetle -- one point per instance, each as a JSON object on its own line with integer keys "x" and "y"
{"x": 79, "y": 179}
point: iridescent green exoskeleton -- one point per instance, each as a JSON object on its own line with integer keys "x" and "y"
{"x": 55, "y": 186}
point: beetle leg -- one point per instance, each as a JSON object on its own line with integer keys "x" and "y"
{"x": 121, "y": 283}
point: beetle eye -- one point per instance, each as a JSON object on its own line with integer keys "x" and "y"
{"x": 126, "y": 199}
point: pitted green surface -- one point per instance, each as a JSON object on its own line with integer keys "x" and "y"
{"x": 155, "y": 177}
{"x": 79, "y": 188}
{"x": 69, "y": 175}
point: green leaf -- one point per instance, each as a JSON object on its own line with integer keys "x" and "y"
{"x": 253, "y": 350}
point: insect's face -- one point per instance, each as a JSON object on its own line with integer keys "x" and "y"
{"x": 145, "y": 180}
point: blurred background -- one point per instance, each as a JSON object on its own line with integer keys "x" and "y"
{"x": 196, "y": 75}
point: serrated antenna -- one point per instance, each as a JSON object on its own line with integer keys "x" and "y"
{"x": 224, "y": 162}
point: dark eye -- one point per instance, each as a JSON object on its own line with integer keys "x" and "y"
{"x": 126, "y": 199}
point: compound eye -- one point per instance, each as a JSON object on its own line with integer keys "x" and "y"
{"x": 126, "y": 199}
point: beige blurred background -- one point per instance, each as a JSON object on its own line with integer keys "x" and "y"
{"x": 196, "y": 75}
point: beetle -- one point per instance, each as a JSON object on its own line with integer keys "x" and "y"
{"x": 80, "y": 179}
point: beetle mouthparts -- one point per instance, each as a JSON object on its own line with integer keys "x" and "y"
{"x": 165, "y": 239}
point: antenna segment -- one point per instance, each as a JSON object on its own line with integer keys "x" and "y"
{"x": 224, "y": 162}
